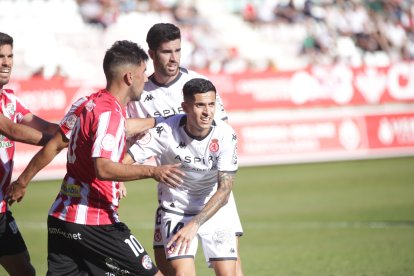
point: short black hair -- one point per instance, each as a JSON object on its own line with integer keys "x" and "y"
{"x": 160, "y": 33}
{"x": 122, "y": 52}
{"x": 195, "y": 86}
{"x": 5, "y": 39}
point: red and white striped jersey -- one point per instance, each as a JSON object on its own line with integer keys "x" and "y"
{"x": 12, "y": 108}
{"x": 95, "y": 126}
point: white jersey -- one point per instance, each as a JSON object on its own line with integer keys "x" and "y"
{"x": 159, "y": 100}
{"x": 201, "y": 160}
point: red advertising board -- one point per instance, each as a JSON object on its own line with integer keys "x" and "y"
{"x": 327, "y": 86}
{"x": 316, "y": 114}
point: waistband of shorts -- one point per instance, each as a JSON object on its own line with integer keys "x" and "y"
{"x": 176, "y": 212}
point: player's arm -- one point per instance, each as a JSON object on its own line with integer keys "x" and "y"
{"x": 22, "y": 133}
{"x": 108, "y": 170}
{"x": 135, "y": 126}
{"x": 17, "y": 189}
{"x": 38, "y": 123}
{"x": 182, "y": 239}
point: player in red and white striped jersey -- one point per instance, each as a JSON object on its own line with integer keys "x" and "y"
{"x": 85, "y": 234}
{"x": 17, "y": 123}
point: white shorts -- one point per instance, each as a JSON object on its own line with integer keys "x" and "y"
{"x": 216, "y": 235}
{"x": 233, "y": 217}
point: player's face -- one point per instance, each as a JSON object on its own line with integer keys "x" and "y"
{"x": 138, "y": 81}
{"x": 6, "y": 64}
{"x": 200, "y": 113}
{"x": 167, "y": 58}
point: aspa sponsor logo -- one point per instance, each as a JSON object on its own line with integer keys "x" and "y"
{"x": 196, "y": 159}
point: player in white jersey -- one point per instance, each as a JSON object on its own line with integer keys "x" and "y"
{"x": 162, "y": 97}
{"x": 207, "y": 151}
{"x": 17, "y": 123}
{"x": 85, "y": 235}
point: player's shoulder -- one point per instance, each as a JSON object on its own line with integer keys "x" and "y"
{"x": 188, "y": 74}
{"x": 9, "y": 94}
{"x": 8, "y": 91}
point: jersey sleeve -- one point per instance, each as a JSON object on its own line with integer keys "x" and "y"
{"x": 68, "y": 122}
{"x": 228, "y": 155}
{"x": 152, "y": 144}
{"x": 21, "y": 110}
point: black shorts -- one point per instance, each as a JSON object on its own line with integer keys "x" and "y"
{"x": 76, "y": 249}
{"x": 11, "y": 241}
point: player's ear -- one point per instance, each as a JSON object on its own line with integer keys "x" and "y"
{"x": 151, "y": 53}
{"x": 128, "y": 78}
{"x": 184, "y": 105}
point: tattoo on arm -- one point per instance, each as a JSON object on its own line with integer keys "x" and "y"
{"x": 219, "y": 199}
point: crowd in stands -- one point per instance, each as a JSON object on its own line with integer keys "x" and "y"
{"x": 239, "y": 35}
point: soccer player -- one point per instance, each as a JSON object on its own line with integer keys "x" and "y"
{"x": 17, "y": 123}
{"x": 206, "y": 149}
{"x": 85, "y": 234}
{"x": 162, "y": 97}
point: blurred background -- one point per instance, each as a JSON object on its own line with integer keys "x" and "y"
{"x": 302, "y": 80}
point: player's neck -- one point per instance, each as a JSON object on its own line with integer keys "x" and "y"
{"x": 163, "y": 79}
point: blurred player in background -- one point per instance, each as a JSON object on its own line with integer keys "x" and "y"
{"x": 162, "y": 97}
{"x": 85, "y": 235}
{"x": 207, "y": 151}
{"x": 17, "y": 123}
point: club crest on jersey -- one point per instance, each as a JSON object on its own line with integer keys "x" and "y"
{"x": 145, "y": 139}
{"x": 214, "y": 145}
{"x": 157, "y": 235}
{"x": 108, "y": 142}
{"x": 10, "y": 110}
{"x": 146, "y": 262}
{"x": 70, "y": 121}
{"x": 90, "y": 105}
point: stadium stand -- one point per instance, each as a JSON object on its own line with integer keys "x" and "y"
{"x": 229, "y": 36}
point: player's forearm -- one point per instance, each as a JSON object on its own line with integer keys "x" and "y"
{"x": 108, "y": 170}
{"x": 138, "y": 125}
{"x": 41, "y": 159}
{"x": 25, "y": 134}
{"x": 218, "y": 200}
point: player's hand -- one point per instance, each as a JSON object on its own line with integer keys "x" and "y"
{"x": 15, "y": 192}
{"x": 181, "y": 241}
{"x": 170, "y": 175}
{"x": 122, "y": 190}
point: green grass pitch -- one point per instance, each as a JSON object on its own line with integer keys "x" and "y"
{"x": 335, "y": 218}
